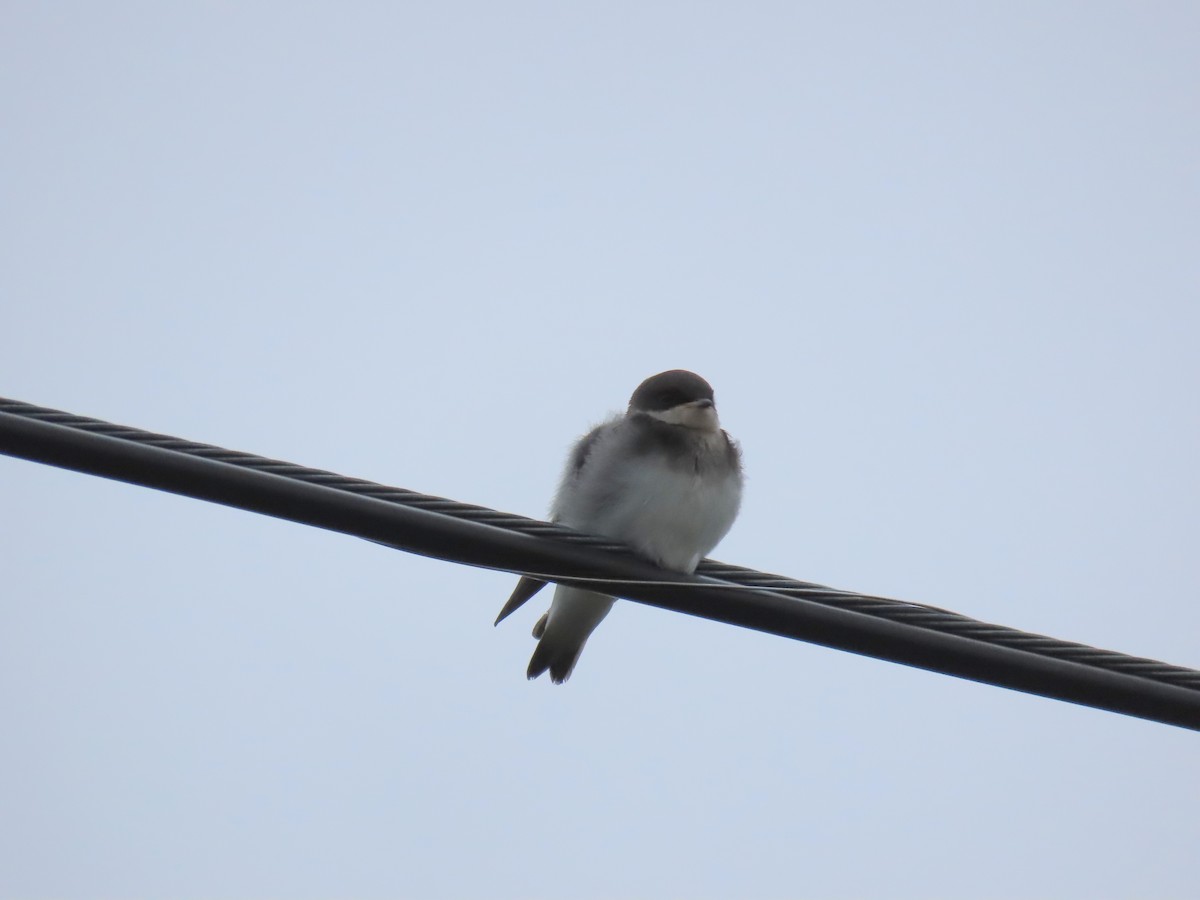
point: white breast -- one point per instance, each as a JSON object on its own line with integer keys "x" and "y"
{"x": 673, "y": 516}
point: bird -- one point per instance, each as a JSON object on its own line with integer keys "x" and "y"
{"x": 664, "y": 478}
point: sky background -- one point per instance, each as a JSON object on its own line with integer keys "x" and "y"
{"x": 939, "y": 261}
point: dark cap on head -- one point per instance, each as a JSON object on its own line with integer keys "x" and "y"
{"x": 666, "y": 390}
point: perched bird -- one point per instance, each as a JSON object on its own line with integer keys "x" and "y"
{"x": 664, "y": 478}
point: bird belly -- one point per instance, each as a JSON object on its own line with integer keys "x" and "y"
{"x": 672, "y": 516}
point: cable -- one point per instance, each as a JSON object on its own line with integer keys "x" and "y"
{"x": 900, "y": 611}
{"x": 909, "y": 633}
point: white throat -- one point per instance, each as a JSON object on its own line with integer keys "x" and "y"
{"x": 690, "y": 415}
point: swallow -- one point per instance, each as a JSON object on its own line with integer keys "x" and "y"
{"x": 663, "y": 478}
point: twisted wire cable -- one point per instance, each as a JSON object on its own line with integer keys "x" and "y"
{"x": 729, "y": 577}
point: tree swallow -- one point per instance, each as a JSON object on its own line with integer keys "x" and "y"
{"x": 664, "y": 478}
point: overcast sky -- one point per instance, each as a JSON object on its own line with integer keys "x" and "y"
{"x": 940, "y": 261}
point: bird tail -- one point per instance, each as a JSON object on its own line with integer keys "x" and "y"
{"x": 563, "y": 632}
{"x": 560, "y": 660}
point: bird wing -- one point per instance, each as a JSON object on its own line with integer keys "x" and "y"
{"x": 524, "y": 590}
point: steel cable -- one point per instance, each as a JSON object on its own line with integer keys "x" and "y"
{"x": 913, "y": 615}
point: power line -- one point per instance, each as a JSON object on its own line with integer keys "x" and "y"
{"x": 908, "y": 633}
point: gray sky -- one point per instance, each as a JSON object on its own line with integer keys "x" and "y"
{"x": 940, "y": 263}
